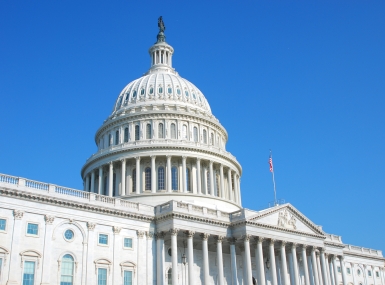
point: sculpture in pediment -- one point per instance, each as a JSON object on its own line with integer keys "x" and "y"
{"x": 287, "y": 220}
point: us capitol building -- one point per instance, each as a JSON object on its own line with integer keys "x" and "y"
{"x": 161, "y": 204}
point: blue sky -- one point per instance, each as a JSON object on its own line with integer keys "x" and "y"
{"x": 303, "y": 78}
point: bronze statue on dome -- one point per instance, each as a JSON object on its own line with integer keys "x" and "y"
{"x": 161, "y": 25}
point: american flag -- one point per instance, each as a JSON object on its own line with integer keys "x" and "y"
{"x": 271, "y": 163}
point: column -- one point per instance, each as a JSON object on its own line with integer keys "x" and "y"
{"x": 310, "y": 266}
{"x": 320, "y": 279}
{"x": 284, "y": 265}
{"x": 160, "y": 258}
{"x": 169, "y": 177}
{"x": 248, "y": 271}
{"x": 153, "y": 174}
{"x": 91, "y": 240}
{"x": 229, "y": 185}
{"x": 233, "y": 256}
{"x": 110, "y": 179}
{"x": 259, "y": 261}
{"x": 291, "y": 269}
{"x": 235, "y": 188}
{"x": 323, "y": 267}
{"x": 190, "y": 257}
{"x": 205, "y": 253}
{"x": 138, "y": 172}
{"x": 343, "y": 270}
{"x": 92, "y": 181}
{"x": 327, "y": 269}
{"x": 305, "y": 267}
{"x": 46, "y": 276}
{"x": 354, "y": 274}
{"x": 365, "y": 274}
{"x": 199, "y": 179}
{"x": 295, "y": 263}
{"x": 219, "y": 259}
{"x": 239, "y": 190}
{"x": 87, "y": 184}
{"x": 381, "y": 274}
{"x": 184, "y": 181}
{"x": 141, "y": 266}
{"x": 314, "y": 265}
{"x": 123, "y": 177}
{"x": 332, "y": 282}
{"x": 335, "y": 271}
{"x": 272, "y": 263}
{"x": 174, "y": 256}
{"x": 222, "y": 182}
{"x": 14, "y": 258}
{"x": 150, "y": 259}
{"x": 100, "y": 180}
{"x": 205, "y": 190}
{"x": 211, "y": 190}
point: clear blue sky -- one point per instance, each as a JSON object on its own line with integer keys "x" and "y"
{"x": 304, "y": 78}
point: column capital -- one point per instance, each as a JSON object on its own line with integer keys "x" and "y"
{"x": 149, "y": 235}
{"x": 140, "y": 234}
{"x": 184, "y": 157}
{"x": 211, "y": 163}
{"x": 198, "y": 159}
{"x": 341, "y": 257}
{"x": 137, "y": 158}
{"x": 189, "y": 233}
{"x": 304, "y": 246}
{"x": 231, "y": 240}
{"x": 204, "y": 236}
{"x": 49, "y": 219}
{"x": 91, "y": 226}
{"x": 18, "y": 214}
{"x": 122, "y": 160}
{"x": 116, "y": 230}
{"x": 283, "y": 243}
{"x": 111, "y": 163}
{"x": 221, "y": 166}
{"x": 168, "y": 156}
{"x": 219, "y": 238}
{"x": 259, "y": 239}
{"x": 153, "y": 156}
{"x": 272, "y": 241}
{"x": 322, "y": 250}
{"x": 245, "y": 237}
{"x": 160, "y": 235}
{"x": 174, "y": 232}
{"x": 294, "y": 244}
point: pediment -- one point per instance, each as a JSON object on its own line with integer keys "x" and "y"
{"x": 286, "y": 217}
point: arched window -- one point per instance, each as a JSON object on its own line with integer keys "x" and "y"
{"x": 195, "y": 134}
{"x": 212, "y": 139}
{"x": 109, "y": 139}
{"x": 184, "y": 132}
{"x": 208, "y": 182}
{"x": 160, "y": 131}
{"x": 174, "y": 178}
{"x": 147, "y": 178}
{"x": 148, "y": 131}
{"x": 161, "y": 178}
{"x": 105, "y": 185}
{"x": 173, "y": 131}
{"x": 217, "y": 182}
{"x": 117, "y": 137}
{"x": 134, "y": 180}
{"x": 169, "y": 277}
{"x": 114, "y": 190}
{"x": 67, "y": 270}
{"x": 205, "y": 136}
{"x": 137, "y": 132}
{"x": 188, "y": 186}
{"x": 126, "y": 135}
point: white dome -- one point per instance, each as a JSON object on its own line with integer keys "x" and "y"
{"x": 161, "y": 87}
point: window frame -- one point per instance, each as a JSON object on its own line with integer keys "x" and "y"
{"x": 161, "y": 178}
{"x": 128, "y": 266}
{"x": 108, "y": 239}
{"x": 173, "y": 131}
{"x": 133, "y": 179}
{"x": 33, "y": 235}
{"x": 73, "y": 232}
{"x": 195, "y": 134}
{"x": 188, "y": 180}
{"x": 148, "y": 131}
{"x": 74, "y": 265}
{"x": 160, "y": 131}
{"x": 137, "y": 132}
{"x": 147, "y": 178}
{"x": 6, "y": 225}
{"x": 174, "y": 176}
{"x": 126, "y": 134}
{"x": 35, "y": 262}
{"x": 132, "y": 243}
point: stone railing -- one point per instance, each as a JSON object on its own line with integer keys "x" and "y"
{"x": 333, "y": 238}
{"x": 55, "y": 191}
{"x": 362, "y": 250}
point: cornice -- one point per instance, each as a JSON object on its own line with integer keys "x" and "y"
{"x": 355, "y": 254}
{"x": 199, "y": 219}
{"x": 333, "y": 244}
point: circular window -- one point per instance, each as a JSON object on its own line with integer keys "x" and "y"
{"x": 169, "y": 251}
{"x": 69, "y": 235}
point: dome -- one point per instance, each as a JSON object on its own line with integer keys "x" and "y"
{"x": 159, "y": 86}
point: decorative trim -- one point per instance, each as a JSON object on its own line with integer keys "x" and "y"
{"x": 49, "y": 219}
{"x": 140, "y": 234}
{"x": 91, "y": 226}
{"x": 116, "y": 230}
{"x": 18, "y": 214}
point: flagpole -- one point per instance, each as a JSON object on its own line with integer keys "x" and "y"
{"x": 272, "y": 172}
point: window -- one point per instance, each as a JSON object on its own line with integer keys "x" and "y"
{"x": 212, "y": 139}
{"x": 169, "y": 277}
{"x": 217, "y": 182}
{"x": 377, "y": 274}
{"x": 178, "y": 91}
{"x": 195, "y": 134}
{"x": 126, "y": 135}
{"x": 184, "y": 132}
{"x": 369, "y": 273}
{"x": 134, "y": 180}
{"x": 194, "y": 96}
{"x": 3, "y": 224}
{"x": 173, "y": 131}
{"x": 116, "y": 137}
{"x": 29, "y": 273}
{"x": 161, "y": 178}
{"x": 67, "y": 270}
{"x": 338, "y": 269}
{"x": 160, "y": 131}
{"x": 142, "y": 92}
{"x": 134, "y": 95}
{"x": 148, "y": 131}
{"x": 109, "y": 139}
{"x": 32, "y": 229}
{"x": 205, "y": 136}
{"x": 186, "y": 92}
{"x": 160, "y": 90}
{"x": 169, "y": 90}
{"x": 127, "y": 278}
{"x": 68, "y": 235}
{"x": 358, "y": 272}
{"x": 137, "y": 132}
{"x": 147, "y": 178}
{"x": 348, "y": 270}
{"x": 127, "y": 243}
{"x": 188, "y": 186}
{"x": 151, "y": 90}
{"x": 103, "y": 239}
{"x": 174, "y": 178}
{"x": 102, "y": 276}
{"x": 208, "y": 182}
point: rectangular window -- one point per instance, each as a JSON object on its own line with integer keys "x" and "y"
{"x": 339, "y": 269}
{"x": 3, "y": 223}
{"x": 102, "y": 276}
{"x": 377, "y": 274}
{"x": 127, "y": 278}
{"x": 103, "y": 239}
{"x": 29, "y": 273}
{"x": 348, "y": 270}
{"x": 128, "y": 242}
{"x": 32, "y": 229}
{"x": 369, "y": 273}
